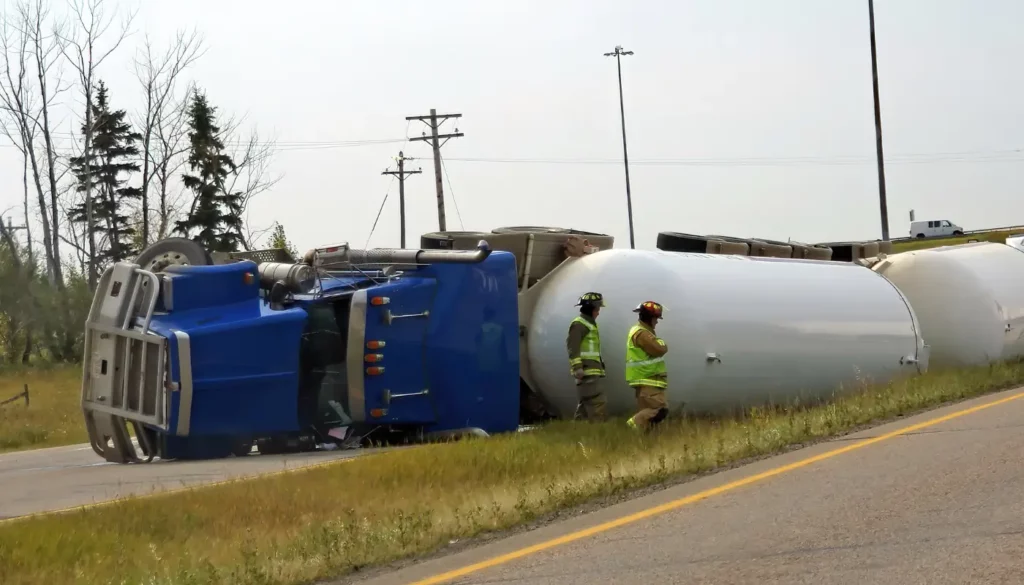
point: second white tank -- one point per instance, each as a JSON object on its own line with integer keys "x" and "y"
{"x": 741, "y": 331}
{"x": 969, "y": 299}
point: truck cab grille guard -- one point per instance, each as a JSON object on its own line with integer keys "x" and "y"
{"x": 125, "y": 376}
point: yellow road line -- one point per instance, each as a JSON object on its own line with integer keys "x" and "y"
{"x": 681, "y": 502}
{"x": 178, "y": 490}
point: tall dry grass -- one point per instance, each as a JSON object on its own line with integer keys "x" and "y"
{"x": 330, "y": 521}
{"x": 916, "y": 244}
{"x": 51, "y": 418}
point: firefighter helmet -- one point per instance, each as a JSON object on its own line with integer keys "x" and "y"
{"x": 649, "y": 308}
{"x": 594, "y": 299}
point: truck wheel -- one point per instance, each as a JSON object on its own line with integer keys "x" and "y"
{"x": 173, "y": 252}
{"x": 242, "y": 449}
{"x": 920, "y": 235}
{"x": 958, "y": 233}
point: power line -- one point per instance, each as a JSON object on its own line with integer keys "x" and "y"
{"x": 838, "y": 160}
{"x": 448, "y": 177}
{"x": 282, "y": 145}
{"x": 762, "y": 161}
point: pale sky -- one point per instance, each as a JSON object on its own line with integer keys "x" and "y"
{"x": 714, "y": 87}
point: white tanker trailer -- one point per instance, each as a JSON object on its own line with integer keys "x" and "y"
{"x": 741, "y": 331}
{"x": 969, "y": 299}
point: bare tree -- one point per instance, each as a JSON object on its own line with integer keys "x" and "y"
{"x": 170, "y": 150}
{"x": 80, "y": 49}
{"x": 75, "y": 238}
{"x": 162, "y": 118}
{"x": 16, "y": 98}
{"x": 31, "y": 82}
{"x": 252, "y": 174}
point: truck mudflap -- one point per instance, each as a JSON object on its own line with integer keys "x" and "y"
{"x": 125, "y": 377}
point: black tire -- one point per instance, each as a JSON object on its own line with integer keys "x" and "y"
{"x": 920, "y": 235}
{"x": 678, "y": 242}
{"x": 242, "y": 449}
{"x": 172, "y": 251}
{"x": 958, "y": 233}
{"x": 841, "y": 251}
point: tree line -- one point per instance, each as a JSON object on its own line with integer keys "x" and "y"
{"x": 100, "y": 182}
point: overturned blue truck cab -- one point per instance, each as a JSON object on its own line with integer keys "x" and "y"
{"x": 205, "y": 359}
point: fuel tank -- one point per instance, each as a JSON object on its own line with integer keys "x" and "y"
{"x": 969, "y": 299}
{"x": 741, "y": 331}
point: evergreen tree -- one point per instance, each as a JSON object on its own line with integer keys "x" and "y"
{"x": 279, "y": 240}
{"x": 216, "y": 214}
{"x": 112, "y": 158}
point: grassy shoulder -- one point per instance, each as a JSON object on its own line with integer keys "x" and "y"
{"x": 52, "y": 417}
{"x": 330, "y": 521}
{"x": 915, "y": 244}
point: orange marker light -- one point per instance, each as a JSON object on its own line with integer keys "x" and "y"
{"x": 374, "y": 371}
{"x": 374, "y": 357}
{"x": 374, "y": 344}
{"x": 378, "y": 301}
{"x": 249, "y": 278}
{"x": 378, "y": 412}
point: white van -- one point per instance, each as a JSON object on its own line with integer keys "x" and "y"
{"x": 934, "y": 228}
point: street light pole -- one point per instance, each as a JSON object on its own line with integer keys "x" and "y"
{"x": 617, "y": 53}
{"x": 882, "y": 204}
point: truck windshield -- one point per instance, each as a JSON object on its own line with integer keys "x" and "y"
{"x": 323, "y": 386}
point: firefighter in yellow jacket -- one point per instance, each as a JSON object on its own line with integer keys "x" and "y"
{"x": 584, "y": 346}
{"x": 645, "y": 367}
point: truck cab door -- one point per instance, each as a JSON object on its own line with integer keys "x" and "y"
{"x": 387, "y": 352}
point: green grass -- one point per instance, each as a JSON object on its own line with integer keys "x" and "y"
{"x": 327, "y": 522}
{"x": 915, "y": 244}
{"x": 53, "y": 416}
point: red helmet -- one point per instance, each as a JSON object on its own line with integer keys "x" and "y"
{"x": 649, "y": 308}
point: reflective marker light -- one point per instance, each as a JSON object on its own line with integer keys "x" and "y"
{"x": 378, "y": 412}
{"x": 374, "y": 357}
{"x": 374, "y": 370}
{"x": 379, "y": 301}
{"x": 249, "y": 278}
{"x": 374, "y": 344}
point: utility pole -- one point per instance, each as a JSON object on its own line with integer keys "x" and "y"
{"x": 882, "y": 204}
{"x": 401, "y": 173}
{"x": 617, "y": 53}
{"x": 12, "y": 228}
{"x": 434, "y": 120}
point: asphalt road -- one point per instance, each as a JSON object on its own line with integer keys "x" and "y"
{"x": 938, "y": 504}
{"x": 44, "y": 480}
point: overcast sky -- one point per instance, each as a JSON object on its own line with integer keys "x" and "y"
{"x": 749, "y": 118}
